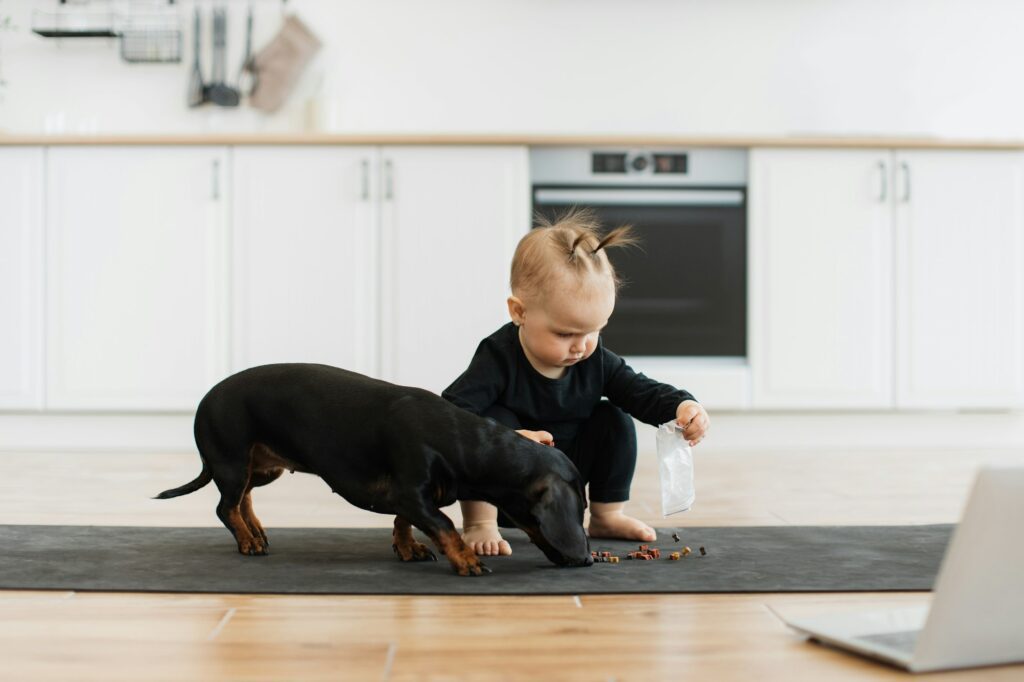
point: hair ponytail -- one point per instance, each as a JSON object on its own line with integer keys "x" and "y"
{"x": 571, "y": 242}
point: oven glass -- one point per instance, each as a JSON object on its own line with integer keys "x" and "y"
{"x": 684, "y": 289}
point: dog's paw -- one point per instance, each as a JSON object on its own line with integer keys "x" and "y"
{"x": 423, "y": 553}
{"x": 415, "y": 551}
{"x": 472, "y": 569}
{"x": 254, "y": 547}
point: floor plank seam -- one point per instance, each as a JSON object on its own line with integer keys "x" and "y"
{"x": 220, "y": 626}
{"x": 392, "y": 649}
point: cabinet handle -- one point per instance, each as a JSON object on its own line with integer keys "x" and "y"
{"x": 365, "y": 194}
{"x": 883, "y": 182}
{"x": 905, "y": 167}
{"x": 389, "y": 187}
{"x": 215, "y": 180}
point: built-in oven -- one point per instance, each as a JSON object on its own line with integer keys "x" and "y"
{"x": 685, "y": 287}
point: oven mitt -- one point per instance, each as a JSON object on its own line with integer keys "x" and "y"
{"x": 277, "y": 67}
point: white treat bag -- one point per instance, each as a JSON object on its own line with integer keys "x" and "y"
{"x": 675, "y": 459}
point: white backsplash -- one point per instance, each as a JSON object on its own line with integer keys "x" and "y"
{"x": 849, "y": 67}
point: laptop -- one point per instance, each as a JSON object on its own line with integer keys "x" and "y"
{"x": 977, "y": 611}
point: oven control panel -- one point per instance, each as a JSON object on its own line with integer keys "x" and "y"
{"x": 649, "y": 166}
{"x": 638, "y": 162}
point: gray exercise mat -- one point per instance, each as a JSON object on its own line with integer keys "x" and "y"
{"x": 360, "y": 561}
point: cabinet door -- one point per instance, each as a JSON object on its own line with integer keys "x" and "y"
{"x": 305, "y": 254}
{"x": 821, "y": 279}
{"x": 960, "y": 244}
{"x": 451, "y": 219}
{"x": 21, "y": 287}
{"x": 136, "y": 255}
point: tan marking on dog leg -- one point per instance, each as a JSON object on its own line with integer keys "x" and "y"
{"x": 462, "y": 558}
{"x": 250, "y": 519}
{"x": 247, "y": 543}
{"x": 406, "y": 546}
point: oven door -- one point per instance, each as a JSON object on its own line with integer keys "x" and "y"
{"x": 685, "y": 288}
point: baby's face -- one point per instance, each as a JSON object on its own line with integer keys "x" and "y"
{"x": 561, "y": 330}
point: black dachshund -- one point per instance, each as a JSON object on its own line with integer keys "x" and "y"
{"x": 386, "y": 448}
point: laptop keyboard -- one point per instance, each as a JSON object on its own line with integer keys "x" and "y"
{"x": 904, "y": 640}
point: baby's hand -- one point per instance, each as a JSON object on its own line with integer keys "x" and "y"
{"x": 542, "y": 437}
{"x": 693, "y": 419}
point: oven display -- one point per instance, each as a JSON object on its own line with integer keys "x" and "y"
{"x": 609, "y": 163}
{"x": 670, "y": 163}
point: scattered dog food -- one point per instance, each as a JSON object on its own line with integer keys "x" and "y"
{"x": 643, "y": 553}
{"x": 675, "y": 536}
{"x": 604, "y": 558}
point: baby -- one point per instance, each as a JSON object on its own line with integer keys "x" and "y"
{"x": 545, "y": 373}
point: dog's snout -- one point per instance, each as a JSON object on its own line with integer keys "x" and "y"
{"x": 576, "y": 562}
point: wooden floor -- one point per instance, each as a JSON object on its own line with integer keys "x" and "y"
{"x": 100, "y": 636}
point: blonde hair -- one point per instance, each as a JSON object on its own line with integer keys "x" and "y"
{"x": 570, "y": 245}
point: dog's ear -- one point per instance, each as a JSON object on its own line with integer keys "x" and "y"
{"x": 556, "y": 520}
{"x": 552, "y": 501}
{"x": 544, "y": 489}
{"x": 540, "y": 491}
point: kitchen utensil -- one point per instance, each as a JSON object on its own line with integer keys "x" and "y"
{"x": 196, "y": 87}
{"x": 246, "y": 74}
{"x": 219, "y": 92}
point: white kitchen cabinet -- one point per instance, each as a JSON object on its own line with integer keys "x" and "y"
{"x": 21, "y": 273}
{"x": 451, "y": 218}
{"x": 135, "y": 282}
{"x": 821, "y": 283}
{"x": 305, "y": 256}
{"x": 886, "y": 278}
{"x": 960, "y": 306}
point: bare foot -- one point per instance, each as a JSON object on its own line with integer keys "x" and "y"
{"x": 615, "y": 524}
{"x": 485, "y": 540}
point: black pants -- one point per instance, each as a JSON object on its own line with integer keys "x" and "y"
{"x": 604, "y": 451}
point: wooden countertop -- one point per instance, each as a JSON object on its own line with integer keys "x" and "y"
{"x": 588, "y": 140}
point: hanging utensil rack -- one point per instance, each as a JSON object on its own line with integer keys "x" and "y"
{"x": 149, "y": 34}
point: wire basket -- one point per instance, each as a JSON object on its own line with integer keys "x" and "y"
{"x": 150, "y": 36}
{"x": 151, "y": 45}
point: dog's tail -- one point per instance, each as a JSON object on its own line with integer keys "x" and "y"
{"x": 204, "y": 477}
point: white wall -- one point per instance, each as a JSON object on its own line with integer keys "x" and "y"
{"x": 763, "y": 67}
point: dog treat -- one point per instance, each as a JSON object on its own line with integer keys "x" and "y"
{"x": 702, "y": 550}
{"x": 674, "y": 556}
{"x": 606, "y": 554}
{"x": 675, "y": 536}
{"x": 643, "y": 548}
{"x": 613, "y": 559}
{"x": 686, "y": 550}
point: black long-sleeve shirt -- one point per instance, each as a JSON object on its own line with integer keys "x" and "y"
{"x": 500, "y": 374}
